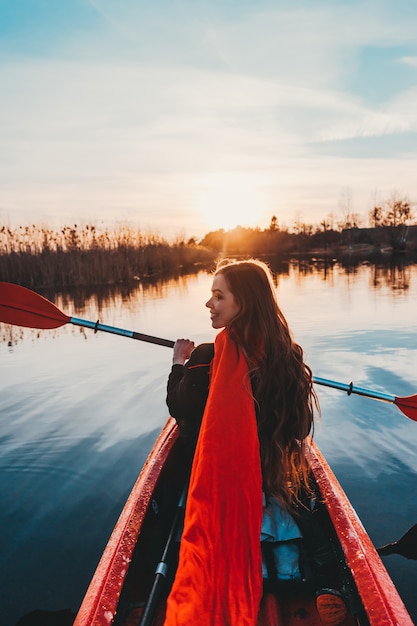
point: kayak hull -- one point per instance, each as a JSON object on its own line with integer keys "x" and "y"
{"x": 123, "y": 580}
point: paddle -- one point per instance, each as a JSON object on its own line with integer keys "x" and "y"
{"x": 162, "y": 569}
{"x": 406, "y": 404}
{"x": 406, "y": 546}
{"x": 23, "y": 307}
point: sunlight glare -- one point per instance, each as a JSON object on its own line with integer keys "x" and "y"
{"x": 227, "y": 201}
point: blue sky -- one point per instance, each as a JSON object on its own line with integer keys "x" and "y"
{"x": 189, "y": 115}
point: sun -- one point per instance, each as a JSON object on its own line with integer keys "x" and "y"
{"x": 230, "y": 200}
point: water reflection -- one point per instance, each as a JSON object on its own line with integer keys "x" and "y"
{"x": 91, "y": 302}
{"x": 396, "y": 276}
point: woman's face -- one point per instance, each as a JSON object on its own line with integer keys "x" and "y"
{"x": 222, "y": 304}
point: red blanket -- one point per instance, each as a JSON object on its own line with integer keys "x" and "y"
{"x": 219, "y": 577}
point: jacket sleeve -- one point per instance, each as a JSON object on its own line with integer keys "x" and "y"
{"x": 187, "y": 391}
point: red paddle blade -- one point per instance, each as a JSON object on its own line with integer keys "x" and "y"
{"x": 408, "y": 406}
{"x": 23, "y": 307}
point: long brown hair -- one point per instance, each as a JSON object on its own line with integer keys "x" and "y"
{"x": 281, "y": 381}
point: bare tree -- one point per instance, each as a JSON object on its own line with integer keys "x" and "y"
{"x": 345, "y": 204}
{"x": 398, "y": 212}
{"x": 376, "y": 216}
{"x": 274, "y": 226}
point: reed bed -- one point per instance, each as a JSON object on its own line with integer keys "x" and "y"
{"x": 73, "y": 256}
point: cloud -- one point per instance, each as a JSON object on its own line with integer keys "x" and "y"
{"x": 146, "y": 104}
{"x": 410, "y": 61}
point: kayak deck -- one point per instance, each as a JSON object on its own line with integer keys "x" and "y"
{"x": 289, "y": 608}
{"x": 124, "y": 579}
{"x": 274, "y": 611}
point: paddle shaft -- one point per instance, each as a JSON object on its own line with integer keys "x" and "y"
{"x": 348, "y": 387}
{"x": 162, "y": 569}
{"x": 351, "y": 388}
{"x": 130, "y": 334}
{"x": 408, "y": 405}
{"x": 406, "y": 546}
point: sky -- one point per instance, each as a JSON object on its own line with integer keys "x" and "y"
{"x": 185, "y": 116}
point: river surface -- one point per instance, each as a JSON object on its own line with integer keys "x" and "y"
{"x": 79, "y": 412}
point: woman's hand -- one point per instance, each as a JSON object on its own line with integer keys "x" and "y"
{"x": 182, "y": 351}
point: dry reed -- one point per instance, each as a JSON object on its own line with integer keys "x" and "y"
{"x": 71, "y": 256}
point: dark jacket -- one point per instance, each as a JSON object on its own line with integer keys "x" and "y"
{"x": 187, "y": 393}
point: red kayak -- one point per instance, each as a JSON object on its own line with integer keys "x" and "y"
{"x": 133, "y": 577}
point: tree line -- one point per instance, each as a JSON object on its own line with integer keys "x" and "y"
{"x": 40, "y": 257}
{"x": 391, "y": 230}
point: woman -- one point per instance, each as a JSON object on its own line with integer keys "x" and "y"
{"x": 243, "y": 301}
{"x": 252, "y": 396}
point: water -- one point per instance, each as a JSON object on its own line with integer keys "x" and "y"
{"x": 80, "y": 411}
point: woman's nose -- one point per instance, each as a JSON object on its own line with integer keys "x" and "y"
{"x": 208, "y": 303}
